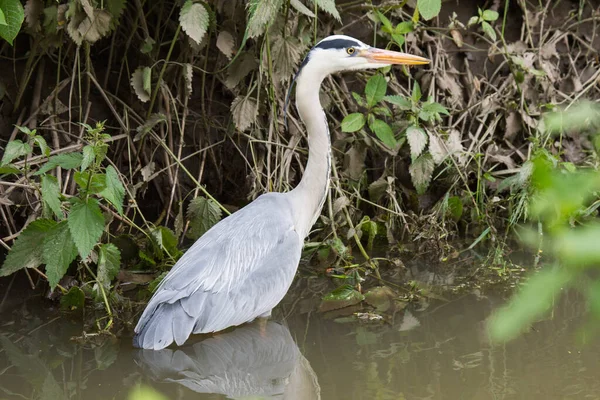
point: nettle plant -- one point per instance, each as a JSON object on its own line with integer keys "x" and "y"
{"x": 68, "y": 227}
{"x": 410, "y": 118}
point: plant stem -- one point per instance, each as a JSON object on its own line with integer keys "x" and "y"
{"x": 162, "y": 71}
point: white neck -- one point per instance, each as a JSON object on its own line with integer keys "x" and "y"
{"x": 309, "y": 196}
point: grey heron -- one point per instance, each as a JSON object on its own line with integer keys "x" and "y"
{"x": 243, "y": 266}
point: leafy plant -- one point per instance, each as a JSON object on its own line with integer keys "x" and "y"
{"x": 70, "y": 226}
{"x": 565, "y": 202}
{"x": 398, "y": 32}
{"x": 415, "y": 114}
{"x": 11, "y": 19}
{"x": 484, "y": 19}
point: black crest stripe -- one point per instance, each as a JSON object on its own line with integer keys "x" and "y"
{"x": 337, "y": 44}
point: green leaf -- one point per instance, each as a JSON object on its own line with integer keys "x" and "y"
{"x": 429, "y": 8}
{"x": 488, "y": 30}
{"x": 9, "y": 169}
{"x": 141, "y": 392}
{"x": 361, "y": 102}
{"x": 399, "y": 39}
{"x": 58, "y": 252}
{"x": 434, "y": 107}
{"x": 109, "y": 262}
{"x": 375, "y": 89}
{"x": 147, "y": 46}
{"x": 472, "y": 21}
{"x": 2, "y": 18}
{"x": 387, "y": 25}
{"x": 421, "y": 171}
{"x": 534, "y": 299}
{"x": 328, "y": 6}
{"x": 404, "y": 27}
{"x": 145, "y": 128}
{"x": 13, "y": 16}
{"x": 417, "y": 140}
{"x": 15, "y": 149}
{"x": 115, "y": 7}
{"x": 425, "y": 115}
{"x": 416, "y": 92}
{"x": 73, "y": 300}
{"x": 581, "y": 115}
{"x": 152, "y": 286}
{"x": 341, "y": 297}
{"x": 166, "y": 240}
{"x": 300, "y": 7}
{"x": 115, "y": 191}
{"x": 384, "y": 133}
{"x": 96, "y": 184}
{"x": 381, "y": 111}
{"x": 26, "y": 130}
{"x": 490, "y": 15}
{"x": 286, "y": 53}
{"x": 89, "y": 155}
{"x": 51, "y": 195}
{"x": 353, "y": 122}
{"x": 401, "y": 102}
{"x": 455, "y": 207}
{"x": 141, "y": 82}
{"x": 147, "y": 80}
{"x": 578, "y": 246}
{"x": 194, "y": 20}
{"x": 244, "y": 110}
{"x": 370, "y": 228}
{"x": 65, "y": 161}
{"x": 41, "y": 143}
{"x": 261, "y": 14}
{"x": 26, "y": 251}
{"x": 203, "y": 214}
{"x": 86, "y": 223}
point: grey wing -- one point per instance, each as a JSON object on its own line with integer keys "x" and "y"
{"x": 237, "y": 271}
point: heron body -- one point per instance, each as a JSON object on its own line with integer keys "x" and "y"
{"x": 243, "y": 266}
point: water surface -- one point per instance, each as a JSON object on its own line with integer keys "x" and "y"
{"x": 441, "y": 352}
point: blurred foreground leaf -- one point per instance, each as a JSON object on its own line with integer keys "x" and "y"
{"x": 533, "y": 300}
{"x": 143, "y": 392}
{"x": 580, "y": 116}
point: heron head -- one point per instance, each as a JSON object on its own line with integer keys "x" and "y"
{"x": 343, "y": 53}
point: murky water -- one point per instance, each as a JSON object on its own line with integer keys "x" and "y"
{"x": 441, "y": 352}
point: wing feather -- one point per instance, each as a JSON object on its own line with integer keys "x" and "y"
{"x": 237, "y": 271}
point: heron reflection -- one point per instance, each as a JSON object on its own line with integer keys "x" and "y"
{"x": 248, "y": 361}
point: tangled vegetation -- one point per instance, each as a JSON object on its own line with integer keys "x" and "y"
{"x": 129, "y": 127}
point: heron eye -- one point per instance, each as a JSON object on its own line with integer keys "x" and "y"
{"x": 350, "y": 50}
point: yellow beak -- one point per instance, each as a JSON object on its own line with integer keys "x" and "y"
{"x": 392, "y": 57}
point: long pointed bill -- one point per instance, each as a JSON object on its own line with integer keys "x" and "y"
{"x": 380, "y": 56}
